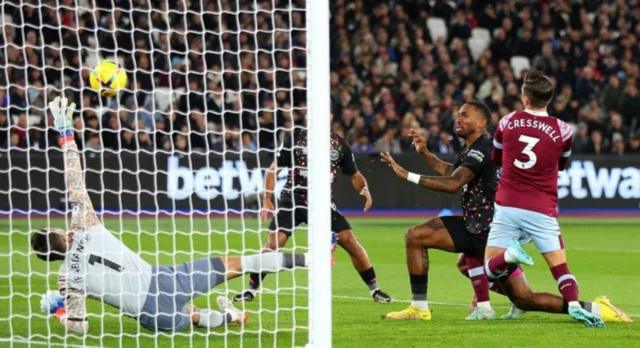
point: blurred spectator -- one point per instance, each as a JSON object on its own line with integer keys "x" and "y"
{"x": 634, "y": 145}
{"x": 242, "y": 90}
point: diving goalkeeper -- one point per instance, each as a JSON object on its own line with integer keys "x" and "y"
{"x": 96, "y": 264}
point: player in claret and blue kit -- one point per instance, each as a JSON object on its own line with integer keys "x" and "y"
{"x": 96, "y": 264}
{"x": 531, "y": 146}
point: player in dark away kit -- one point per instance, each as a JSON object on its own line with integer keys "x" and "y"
{"x": 291, "y": 210}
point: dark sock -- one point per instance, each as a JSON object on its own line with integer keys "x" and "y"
{"x": 255, "y": 279}
{"x": 369, "y": 277}
{"x": 419, "y": 286}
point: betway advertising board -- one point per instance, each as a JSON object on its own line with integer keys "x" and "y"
{"x": 164, "y": 182}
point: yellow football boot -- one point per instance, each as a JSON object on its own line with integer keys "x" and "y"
{"x": 409, "y": 314}
{"x": 611, "y": 313}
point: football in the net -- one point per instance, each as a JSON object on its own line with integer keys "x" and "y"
{"x": 108, "y": 78}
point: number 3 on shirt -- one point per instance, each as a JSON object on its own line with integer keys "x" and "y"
{"x": 528, "y": 150}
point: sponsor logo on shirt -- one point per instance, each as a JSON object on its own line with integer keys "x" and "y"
{"x": 478, "y": 155}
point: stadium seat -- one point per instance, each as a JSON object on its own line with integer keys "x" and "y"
{"x": 518, "y": 64}
{"x": 481, "y": 33}
{"x": 437, "y": 28}
{"x": 477, "y": 47}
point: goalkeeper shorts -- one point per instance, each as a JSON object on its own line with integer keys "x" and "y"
{"x": 289, "y": 216}
{"x": 172, "y": 287}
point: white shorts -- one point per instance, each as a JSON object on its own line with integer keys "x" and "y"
{"x": 525, "y": 226}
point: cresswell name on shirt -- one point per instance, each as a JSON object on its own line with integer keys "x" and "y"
{"x": 76, "y": 259}
{"x": 537, "y": 124}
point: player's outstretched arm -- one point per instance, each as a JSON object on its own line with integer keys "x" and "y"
{"x": 349, "y": 168}
{"x": 360, "y": 185}
{"x": 83, "y": 214}
{"x": 269, "y": 186}
{"x": 450, "y": 184}
{"x": 439, "y": 166}
{"x": 73, "y": 315}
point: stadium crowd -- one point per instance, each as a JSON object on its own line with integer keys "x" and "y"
{"x": 236, "y": 77}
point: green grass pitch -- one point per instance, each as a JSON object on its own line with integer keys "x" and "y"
{"x": 603, "y": 254}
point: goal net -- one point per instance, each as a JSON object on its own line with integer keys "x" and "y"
{"x": 175, "y": 164}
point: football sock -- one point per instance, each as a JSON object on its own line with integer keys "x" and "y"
{"x": 496, "y": 266}
{"x": 567, "y": 284}
{"x": 590, "y": 307}
{"x": 369, "y": 277}
{"x": 269, "y": 263}
{"x": 210, "y": 318}
{"x": 419, "y": 291}
{"x": 272, "y": 262}
{"x": 478, "y": 279}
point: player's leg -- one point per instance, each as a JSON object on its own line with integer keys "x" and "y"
{"x": 418, "y": 239}
{"x": 287, "y": 218}
{"x": 348, "y": 241}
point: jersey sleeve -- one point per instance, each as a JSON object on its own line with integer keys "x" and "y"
{"x": 348, "y": 161}
{"x": 477, "y": 158}
{"x": 83, "y": 216}
{"x": 567, "y": 142}
{"x": 74, "y": 316}
{"x": 284, "y": 153}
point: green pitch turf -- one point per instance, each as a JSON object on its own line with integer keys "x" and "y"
{"x": 603, "y": 254}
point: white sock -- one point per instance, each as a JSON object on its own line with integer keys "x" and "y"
{"x": 574, "y": 304}
{"x": 374, "y": 290}
{"x": 596, "y": 309}
{"x": 210, "y": 318}
{"x": 420, "y": 305}
{"x": 509, "y": 258}
{"x": 485, "y": 304}
{"x": 272, "y": 262}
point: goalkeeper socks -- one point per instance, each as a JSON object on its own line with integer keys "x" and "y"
{"x": 567, "y": 284}
{"x": 419, "y": 291}
{"x": 210, "y": 318}
{"x": 271, "y": 263}
{"x": 369, "y": 277}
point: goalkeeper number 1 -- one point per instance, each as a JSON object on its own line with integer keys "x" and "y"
{"x": 98, "y": 265}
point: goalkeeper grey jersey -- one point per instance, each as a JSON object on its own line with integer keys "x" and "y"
{"x": 101, "y": 267}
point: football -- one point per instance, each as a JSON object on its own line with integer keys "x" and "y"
{"x": 108, "y": 78}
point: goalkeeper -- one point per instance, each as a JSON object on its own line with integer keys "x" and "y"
{"x": 98, "y": 265}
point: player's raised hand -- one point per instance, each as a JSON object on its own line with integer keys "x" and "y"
{"x": 267, "y": 207}
{"x": 400, "y": 172}
{"x": 62, "y": 113}
{"x": 367, "y": 195}
{"x": 419, "y": 142}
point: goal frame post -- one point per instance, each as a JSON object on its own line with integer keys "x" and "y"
{"x": 318, "y": 123}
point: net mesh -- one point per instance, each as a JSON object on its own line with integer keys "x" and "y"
{"x": 175, "y": 163}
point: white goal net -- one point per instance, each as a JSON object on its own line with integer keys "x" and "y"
{"x": 175, "y": 164}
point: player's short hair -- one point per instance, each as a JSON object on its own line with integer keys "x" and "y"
{"x": 538, "y": 88}
{"x": 482, "y": 108}
{"x": 48, "y": 244}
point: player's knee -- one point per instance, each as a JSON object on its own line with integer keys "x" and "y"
{"x": 347, "y": 241}
{"x": 462, "y": 264}
{"x": 411, "y": 236}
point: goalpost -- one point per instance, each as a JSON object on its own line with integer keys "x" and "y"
{"x": 168, "y": 202}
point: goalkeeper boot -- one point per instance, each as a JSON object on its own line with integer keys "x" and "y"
{"x": 481, "y": 313}
{"x": 380, "y": 296}
{"x": 611, "y": 313}
{"x": 227, "y": 307}
{"x": 587, "y": 318}
{"x": 517, "y": 253}
{"x": 514, "y": 313}
{"x": 246, "y": 296}
{"x": 409, "y": 314}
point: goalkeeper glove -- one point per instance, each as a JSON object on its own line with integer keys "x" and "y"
{"x": 63, "y": 119}
{"x": 51, "y": 301}
{"x": 62, "y": 114}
